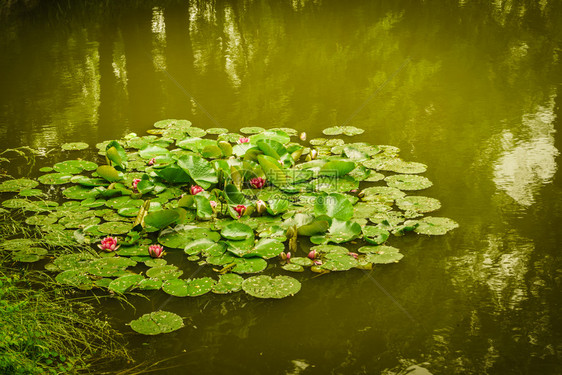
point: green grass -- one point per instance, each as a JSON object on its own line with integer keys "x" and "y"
{"x": 42, "y": 329}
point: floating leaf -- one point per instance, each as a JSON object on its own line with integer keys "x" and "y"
{"x": 228, "y": 283}
{"x": 77, "y": 279}
{"x": 330, "y": 249}
{"x": 109, "y": 173}
{"x": 249, "y": 265}
{"x": 55, "y": 178}
{"x": 337, "y": 168}
{"x": 74, "y": 146}
{"x": 125, "y": 284}
{"x": 17, "y": 185}
{"x": 384, "y": 255}
{"x": 161, "y": 219}
{"x": 157, "y": 322}
{"x": 336, "y": 206}
{"x": 401, "y": 166}
{"x": 347, "y": 130}
{"x": 375, "y": 235}
{"x": 217, "y": 131}
{"x": 408, "y": 182}
{"x": 237, "y": 231}
{"x": 251, "y": 130}
{"x": 338, "y": 262}
{"x": 271, "y": 287}
{"x": 167, "y": 272}
{"x": 293, "y": 267}
{"x": 115, "y": 227}
{"x": 339, "y": 232}
{"x": 382, "y": 194}
{"x": 435, "y": 225}
{"x": 199, "y": 169}
{"x": 180, "y": 236}
{"x": 418, "y": 204}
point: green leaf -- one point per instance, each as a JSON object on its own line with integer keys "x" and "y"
{"x": 156, "y": 323}
{"x": 228, "y": 283}
{"x": 199, "y": 169}
{"x": 375, "y": 235}
{"x": 273, "y": 170}
{"x": 277, "y": 206}
{"x": 271, "y": 287}
{"x": 408, "y": 182}
{"x": 125, "y": 284}
{"x": 337, "y": 168}
{"x": 109, "y": 173}
{"x": 204, "y": 209}
{"x": 237, "y": 231}
{"x": 435, "y": 225}
{"x": 339, "y": 232}
{"x": 384, "y": 255}
{"x": 335, "y": 206}
{"x": 161, "y": 219}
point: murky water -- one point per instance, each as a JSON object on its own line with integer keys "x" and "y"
{"x": 470, "y": 88}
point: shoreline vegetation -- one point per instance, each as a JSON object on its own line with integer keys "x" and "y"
{"x": 43, "y": 328}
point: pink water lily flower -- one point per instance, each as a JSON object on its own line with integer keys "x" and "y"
{"x": 312, "y": 254}
{"x": 108, "y": 244}
{"x": 355, "y": 255}
{"x": 213, "y": 204}
{"x": 135, "y": 183}
{"x": 240, "y": 209}
{"x": 195, "y": 189}
{"x": 243, "y": 140}
{"x": 152, "y": 161}
{"x": 257, "y": 182}
{"x": 155, "y": 251}
{"x": 318, "y": 262}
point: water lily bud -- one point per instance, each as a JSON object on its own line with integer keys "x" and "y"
{"x": 312, "y": 254}
{"x": 135, "y": 183}
{"x": 355, "y": 255}
{"x": 318, "y": 262}
{"x": 243, "y": 140}
{"x": 213, "y": 204}
{"x": 152, "y": 161}
{"x": 195, "y": 189}
{"x": 261, "y": 207}
{"x": 155, "y": 251}
{"x": 108, "y": 244}
{"x": 289, "y": 256}
{"x": 240, "y": 209}
{"x": 257, "y": 182}
{"x": 303, "y": 136}
{"x": 313, "y": 154}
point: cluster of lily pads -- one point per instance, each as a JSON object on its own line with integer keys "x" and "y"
{"x": 235, "y": 204}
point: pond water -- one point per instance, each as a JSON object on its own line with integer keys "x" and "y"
{"x": 469, "y": 88}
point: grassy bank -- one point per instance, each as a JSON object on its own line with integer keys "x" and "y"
{"x": 43, "y": 330}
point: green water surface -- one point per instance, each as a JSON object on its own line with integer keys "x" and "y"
{"x": 468, "y": 87}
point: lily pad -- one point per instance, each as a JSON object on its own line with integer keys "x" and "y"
{"x": 180, "y": 236}
{"x": 375, "y": 235}
{"x": 338, "y": 262}
{"x": 74, "y": 146}
{"x": 435, "y": 225}
{"x": 336, "y": 206}
{"x": 330, "y": 249}
{"x": 271, "y": 287}
{"x": 340, "y": 231}
{"x": 115, "y": 227}
{"x": 17, "y": 185}
{"x": 199, "y": 169}
{"x": 293, "y": 267}
{"x": 408, "y": 182}
{"x": 110, "y": 266}
{"x": 157, "y": 322}
{"x": 188, "y": 288}
{"x": 237, "y": 231}
{"x": 401, "y": 166}
{"x": 205, "y": 246}
{"x": 249, "y": 265}
{"x": 77, "y": 279}
{"x": 384, "y": 255}
{"x": 347, "y": 130}
{"x": 168, "y": 272}
{"x": 418, "y": 204}
{"x": 125, "y": 284}
{"x": 251, "y": 130}
{"x": 55, "y": 178}
{"x": 217, "y": 131}
{"x": 228, "y": 283}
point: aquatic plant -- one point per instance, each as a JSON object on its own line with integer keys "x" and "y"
{"x": 234, "y": 204}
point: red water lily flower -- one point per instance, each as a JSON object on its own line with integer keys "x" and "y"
{"x": 257, "y": 182}
{"x": 240, "y": 209}
{"x": 155, "y": 251}
{"x": 195, "y": 189}
{"x": 108, "y": 244}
